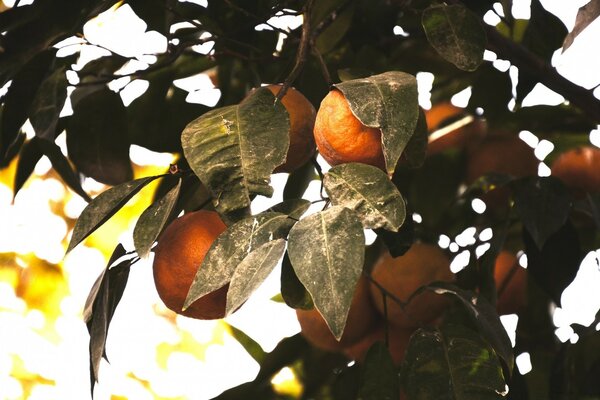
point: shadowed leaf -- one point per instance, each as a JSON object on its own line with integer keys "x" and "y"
{"x": 368, "y": 191}
{"x": 28, "y": 157}
{"x": 292, "y": 207}
{"x": 294, "y": 294}
{"x": 392, "y": 106}
{"x": 327, "y": 252}
{"x": 234, "y": 149}
{"x": 48, "y": 103}
{"x": 416, "y": 149}
{"x": 152, "y": 221}
{"x": 379, "y": 379}
{"x": 456, "y": 34}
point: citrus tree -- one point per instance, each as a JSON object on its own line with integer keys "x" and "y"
{"x": 336, "y": 101}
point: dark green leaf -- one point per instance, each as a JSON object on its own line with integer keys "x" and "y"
{"x": 399, "y": 242}
{"x": 456, "y": 34}
{"x": 543, "y": 204}
{"x": 249, "y": 344}
{"x": 485, "y": 317}
{"x": 294, "y": 294}
{"x": 298, "y": 181}
{"x": 327, "y": 252}
{"x": 490, "y": 80}
{"x": 368, "y": 191}
{"x": 585, "y": 16}
{"x": 104, "y": 206}
{"x": 101, "y": 305}
{"x": 451, "y": 362}
{"x": 28, "y": 158}
{"x": 287, "y": 351}
{"x": 554, "y": 266}
{"x": 416, "y": 149}
{"x": 330, "y": 37}
{"x": 152, "y": 221}
{"x": 97, "y": 138}
{"x": 234, "y": 149}
{"x": 392, "y": 106}
{"x": 379, "y": 379}
{"x": 251, "y": 273}
{"x": 292, "y": 207}
{"x": 239, "y": 241}
{"x": 48, "y": 103}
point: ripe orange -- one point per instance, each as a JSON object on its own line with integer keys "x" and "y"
{"x": 402, "y": 276}
{"x": 452, "y": 127}
{"x": 302, "y": 120}
{"x": 511, "y": 284}
{"x": 361, "y": 318}
{"x": 398, "y": 342}
{"x": 179, "y": 253}
{"x": 342, "y": 138}
{"x": 579, "y": 169}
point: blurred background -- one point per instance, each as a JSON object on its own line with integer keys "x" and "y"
{"x": 154, "y": 353}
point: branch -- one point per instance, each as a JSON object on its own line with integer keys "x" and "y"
{"x": 543, "y": 72}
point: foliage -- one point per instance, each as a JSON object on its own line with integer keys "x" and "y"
{"x": 228, "y": 153}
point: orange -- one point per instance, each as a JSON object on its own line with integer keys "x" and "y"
{"x": 402, "y": 276}
{"x": 398, "y": 343}
{"x": 342, "y": 138}
{"x": 361, "y": 318}
{"x": 180, "y": 251}
{"x": 302, "y": 120}
{"x": 451, "y": 127}
{"x": 579, "y": 169}
{"x": 511, "y": 284}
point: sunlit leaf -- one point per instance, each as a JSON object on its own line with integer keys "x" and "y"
{"x": 48, "y": 103}
{"x": 543, "y": 204}
{"x": 456, "y": 34}
{"x": 368, "y": 191}
{"x": 379, "y": 379}
{"x": 234, "y": 149}
{"x": 585, "y": 16}
{"x": 251, "y": 273}
{"x": 152, "y": 221}
{"x": 327, "y": 252}
{"x": 451, "y": 362}
{"x": 249, "y": 344}
{"x": 232, "y": 247}
{"x": 97, "y": 138}
{"x": 392, "y": 106}
{"x": 104, "y": 206}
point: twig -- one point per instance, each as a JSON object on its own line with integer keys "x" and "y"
{"x": 389, "y": 294}
{"x": 322, "y": 64}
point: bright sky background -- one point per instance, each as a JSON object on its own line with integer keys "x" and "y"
{"x": 150, "y": 347}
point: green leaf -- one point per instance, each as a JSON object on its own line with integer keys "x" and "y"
{"x": 48, "y": 103}
{"x": 152, "y": 221}
{"x": 392, "y": 106}
{"x": 543, "y": 204}
{"x": 239, "y": 241}
{"x": 298, "y": 181}
{"x": 379, "y": 380}
{"x": 484, "y": 316}
{"x": 452, "y": 362}
{"x": 28, "y": 158}
{"x": 585, "y": 16}
{"x": 104, "y": 206}
{"x": 456, "y": 34}
{"x": 97, "y": 138}
{"x": 292, "y": 207}
{"x": 327, "y": 252}
{"x": 251, "y": 273}
{"x": 249, "y": 344}
{"x": 368, "y": 191}
{"x": 234, "y": 149}
{"x": 416, "y": 149}
{"x": 293, "y": 293}
{"x": 330, "y": 37}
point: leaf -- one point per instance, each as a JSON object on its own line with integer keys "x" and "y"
{"x": 379, "y": 380}
{"x": 585, "y": 16}
{"x": 451, "y": 362}
{"x": 104, "y": 206}
{"x": 250, "y": 345}
{"x": 298, "y": 181}
{"x": 234, "y": 149}
{"x": 368, "y": 191}
{"x": 416, "y": 149}
{"x": 555, "y": 265}
{"x": 28, "y": 158}
{"x": 327, "y": 252}
{"x": 101, "y": 305}
{"x": 232, "y": 247}
{"x": 97, "y": 138}
{"x": 294, "y": 294}
{"x": 392, "y": 106}
{"x": 292, "y": 207}
{"x": 543, "y": 204}
{"x": 252, "y": 272}
{"x": 48, "y": 103}
{"x": 399, "y": 242}
{"x": 152, "y": 221}
{"x": 330, "y": 37}
{"x": 456, "y": 34}
{"x": 485, "y": 317}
